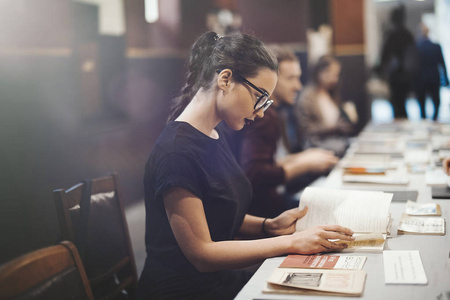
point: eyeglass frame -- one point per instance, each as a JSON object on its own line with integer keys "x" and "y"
{"x": 266, "y": 104}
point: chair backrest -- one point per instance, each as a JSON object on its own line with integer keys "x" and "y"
{"x": 51, "y": 273}
{"x": 108, "y": 256}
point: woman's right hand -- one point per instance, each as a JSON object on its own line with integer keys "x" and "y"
{"x": 317, "y": 160}
{"x": 317, "y": 239}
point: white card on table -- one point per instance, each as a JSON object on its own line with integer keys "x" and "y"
{"x": 403, "y": 267}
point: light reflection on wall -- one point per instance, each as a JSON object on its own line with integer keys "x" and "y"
{"x": 151, "y": 11}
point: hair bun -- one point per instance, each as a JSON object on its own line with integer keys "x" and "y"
{"x": 217, "y": 37}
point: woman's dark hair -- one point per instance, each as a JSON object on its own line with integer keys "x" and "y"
{"x": 242, "y": 53}
{"x": 321, "y": 65}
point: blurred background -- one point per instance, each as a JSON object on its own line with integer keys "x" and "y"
{"x": 85, "y": 86}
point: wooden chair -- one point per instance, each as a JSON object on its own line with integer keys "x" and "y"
{"x": 108, "y": 256}
{"x": 51, "y": 273}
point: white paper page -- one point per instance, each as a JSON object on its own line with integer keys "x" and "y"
{"x": 417, "y": 156}
{"x": 362, "y": 159}
{"x": 403, "y": 267}
{"x": 379, "y": 179}
{"x": 351, "y": 262}
{"x": 361, "y": 211}
{"x": 442, "y": 154}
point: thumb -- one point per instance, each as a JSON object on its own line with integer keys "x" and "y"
{"x": 302, "y": 212}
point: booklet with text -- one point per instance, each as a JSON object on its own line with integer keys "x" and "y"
{"x": 343, "y": 262}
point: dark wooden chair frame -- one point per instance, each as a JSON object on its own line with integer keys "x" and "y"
{"x": 66, "y": 199}
{"x": 30, "y": 270}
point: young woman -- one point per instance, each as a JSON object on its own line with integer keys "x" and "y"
{"x": 319, "y": 111}
{"x": 197, "y": 196}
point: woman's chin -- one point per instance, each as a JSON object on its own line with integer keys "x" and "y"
{"x": 235, "y": 126}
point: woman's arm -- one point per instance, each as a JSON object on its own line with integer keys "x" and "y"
{"x": 188, "y": 222}
{"x": 310, "y": 160}
{"x": 281, "y": 225}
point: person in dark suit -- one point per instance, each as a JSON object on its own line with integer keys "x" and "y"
{"x": 429, "y": 78}
{"x": 398, "y": 61}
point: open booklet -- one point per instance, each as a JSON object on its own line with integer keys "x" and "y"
{"x": 313, "y": 282}
{"x": 364, "y": 212}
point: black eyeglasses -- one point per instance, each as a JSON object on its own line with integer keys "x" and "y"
{"x": 263, "y": 102}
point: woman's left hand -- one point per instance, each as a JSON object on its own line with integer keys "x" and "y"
{"x": 285, "y": 222}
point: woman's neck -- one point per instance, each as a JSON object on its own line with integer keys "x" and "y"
{"x": 201, "y": 114}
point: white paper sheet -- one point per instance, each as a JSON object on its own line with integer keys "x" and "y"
{"x": 403, "y": 267}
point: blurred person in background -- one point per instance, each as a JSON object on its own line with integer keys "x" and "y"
{"x": 398, "y": 62}
{"x": 323, "y": 120}
{"x": 267, "y": 146}
{"x": 431, "y": 66}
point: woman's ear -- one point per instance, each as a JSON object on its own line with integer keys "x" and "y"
{"x": 224, "y": 79}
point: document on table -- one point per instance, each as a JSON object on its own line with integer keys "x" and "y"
{"x": 403, "y": 267}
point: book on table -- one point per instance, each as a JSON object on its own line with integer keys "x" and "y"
{"x": 366, "y": 213}
{"x": 421, "y": 225}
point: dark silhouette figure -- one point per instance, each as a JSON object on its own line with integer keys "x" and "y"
{"x": 429, "y": 80}
{"x": 398, "y": 61}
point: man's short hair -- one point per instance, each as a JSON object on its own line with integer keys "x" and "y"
{"x": 283, "y": 53}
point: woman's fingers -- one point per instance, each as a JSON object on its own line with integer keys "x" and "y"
{"x": 332, "y": 235}
{"x": 330, "y": 246}
{"x": 338, "y": 228}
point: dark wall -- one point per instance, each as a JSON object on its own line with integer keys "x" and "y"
{"x": 55, "y": 132}
{"x": 37, "y": 94}
{"x": 52, "y": 134}
{"x": 282, "y": 21}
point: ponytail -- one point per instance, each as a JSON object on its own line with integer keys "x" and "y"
{"x": 200, "y": 53}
